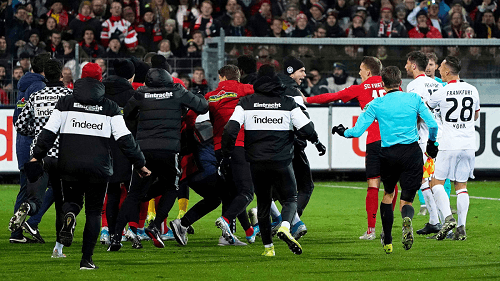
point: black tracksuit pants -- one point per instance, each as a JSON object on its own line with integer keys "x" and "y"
{"x": 74, "y": 193}
{"x": 303, "y": 176}
{"x": 266, "y": 177}
{"x": 113, "y": 205}
{"x": 36, "y": 192}
{"x": 164, "y": 167}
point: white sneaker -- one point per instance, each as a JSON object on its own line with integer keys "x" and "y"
{"x": 367, "y": 236}
{"x": 237, "y": 242}
{"x": 56, "y": 254}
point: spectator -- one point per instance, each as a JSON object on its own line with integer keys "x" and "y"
{"x": 471, "y": 7}
{"x": 164, "y": 49}
{"x": 198, "y": 39}
{"x": 259, "y": 23}
{"x": 265, "y": 58}
{"x": 432, "y": 14}
{"x": 227, "y": 16}
{"x": 485, "y": 25}
{"x": 135, "y": 6}
{"x": 67, "y": 77}
{"x": 136, "y": 51}
{"x": 115, "y": 24}
{"x": 333, "y": 28}
{"x": 34, "y": 46}
{"x": 381, "y": 53}
{"x": 468, "y": 31}
{"x": 316, "y": 14}
{"x": 205, "y": 22}
{"x": 83, "y": 19}
{"x": 238, "y": 25}
{"x": 54, "y": 46}
{"x": 401, "y": 15}
{"x": 49, "y": 27}
{"x": 456, "y": 7}
{"x": 387, "y": 27}
{"x": 17, "y": 73}
{"x": 129, "y": 15}
{"x": 15, "y": 25}
{"x": 149, "y": 32}
{"x": 69, "y": 51}
{"x": 59, "y": 14}
{"x": 99, "y": 8}
{"x": 24, "y": 61}
{"x": 175, "y": 39}
{"x": 3, "y": 74}
{"x": 161, "y": 9}
{"x": 454, "y": 30}
{"x": 103, "y": 64}
{"x": 474, "y": 64}
{"x": 89, "y": 44}
{"x": 339, "y": 80}
{"x": 423, "y": 30}
{"x": 356, "y": 28}
{"x": 114, "y": 50}
{"x": 248, "y": 69}
{"x": 276, "y": 29}
{"x": 302, "y": 28}
{"x": 344, "y": 12}
{"x": 199, "y": 84}
{"x": 292, "y": 11}
{"x": 186, "y": 13}
{"x": 192, "y": 56}
{"x": 4, "y": 98}
{"x": 4, "y": 52}
{"x": 314, "y": 83}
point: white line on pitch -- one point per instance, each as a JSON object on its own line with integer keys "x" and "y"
{"x": 381, "y": 190}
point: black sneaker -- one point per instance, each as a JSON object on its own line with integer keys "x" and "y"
{"x": 33, "y": 232}
{"x": 460, "y": 233}
{"x": 87, "y": 265}
{"x": 114, "y": 243}
{"x": 19, "y": 217}
{"x": 429, "y": 229}
{"x": 68, "y": 229}
{"x": 22, "y": 240}
{"x": 190, "y": 229}
{"x": 153, "y": 233}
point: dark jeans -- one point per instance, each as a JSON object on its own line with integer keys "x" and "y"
{"x": 269, "y": 176}
{"x": 94, "y": 193}
{"x": 113, "y": 204}
{"x": 164, "y": 168}
{"x": 21, "y": 198}
{"x": 208, "y": 189}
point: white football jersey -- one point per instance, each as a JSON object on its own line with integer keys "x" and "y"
{"x": 458, "y": 102}
{"x": 425, "y": 86}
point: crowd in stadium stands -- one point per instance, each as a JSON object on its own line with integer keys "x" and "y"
{"x": 103, "y": 29}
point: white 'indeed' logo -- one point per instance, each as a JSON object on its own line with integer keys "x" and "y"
{"x": 86, "y": 125}
{"x": 267, "y": 120}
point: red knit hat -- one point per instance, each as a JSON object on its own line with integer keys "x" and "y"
{"x": 92, "y": 70}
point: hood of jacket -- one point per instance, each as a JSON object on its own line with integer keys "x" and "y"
{"x": 158, "y": 78}
{"x": 115, "y": 85}
{"x": 88, "y": 91}
{"x": 287, "y": 80}
{"x": 28, "y": 79}
{"x": 269, "y": 86}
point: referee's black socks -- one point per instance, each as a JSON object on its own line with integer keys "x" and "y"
{"x": 407, "y": 211}
{"x": 387, "y": 215}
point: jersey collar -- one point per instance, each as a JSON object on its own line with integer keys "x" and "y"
{"x": 420, "y": 75}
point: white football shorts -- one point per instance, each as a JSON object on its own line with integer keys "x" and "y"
{"x": 456, "y": 165}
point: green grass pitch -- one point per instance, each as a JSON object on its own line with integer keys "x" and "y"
{"x": 335, "y": 218}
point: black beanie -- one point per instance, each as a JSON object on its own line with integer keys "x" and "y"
{"x": 141, "y": 68}
{"x": 159, "y": 61}
{"x": 292, "y": 64}
{"x": 124, "y": 68}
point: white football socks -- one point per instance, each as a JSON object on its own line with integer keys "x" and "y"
{"x": 286, "y": 224}
{"x": 274, "y": 210}
{"x": 430, "y": 203}
{"x": 58, "y": 247}
{"x": 462, "y": 206}
{"x": 442, "y": 200}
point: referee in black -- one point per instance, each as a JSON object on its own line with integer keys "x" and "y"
{"x": 268, "y": 116}
{"x": 401, "y": 158}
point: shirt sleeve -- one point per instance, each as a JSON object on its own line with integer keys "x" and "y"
{"x": 25, "y": 119}
{"x": 364, "y": 121}
{"x": 345, "y": 95}
{"x": 425, "y": 114}
{"x": 435, "y": 99}
{"x": 238, "y": 115}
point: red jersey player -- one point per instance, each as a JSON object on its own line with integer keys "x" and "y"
{"x": 370, "y": 88}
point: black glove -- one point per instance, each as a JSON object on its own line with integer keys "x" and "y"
{"x": 432, "y": 148}
{"x": 340, "y": 129}
{"x": 321, "y": 148}
{"x": 33, "y": 170}
{"x": 225, "y": 167}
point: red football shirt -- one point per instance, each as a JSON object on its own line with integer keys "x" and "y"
{"x": 221, "y": 103}
{"x": 364, "y": 93}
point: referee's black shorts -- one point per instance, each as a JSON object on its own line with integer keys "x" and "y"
{"x": 403, "y": 163}
{"x": 372, "y": 160}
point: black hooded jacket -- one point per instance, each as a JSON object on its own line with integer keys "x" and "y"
{"x": 158, "y": 109}
{"x": 119, "y": 90}
{"x": 270, "y": 118}
{"x": 85, "y": 122}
